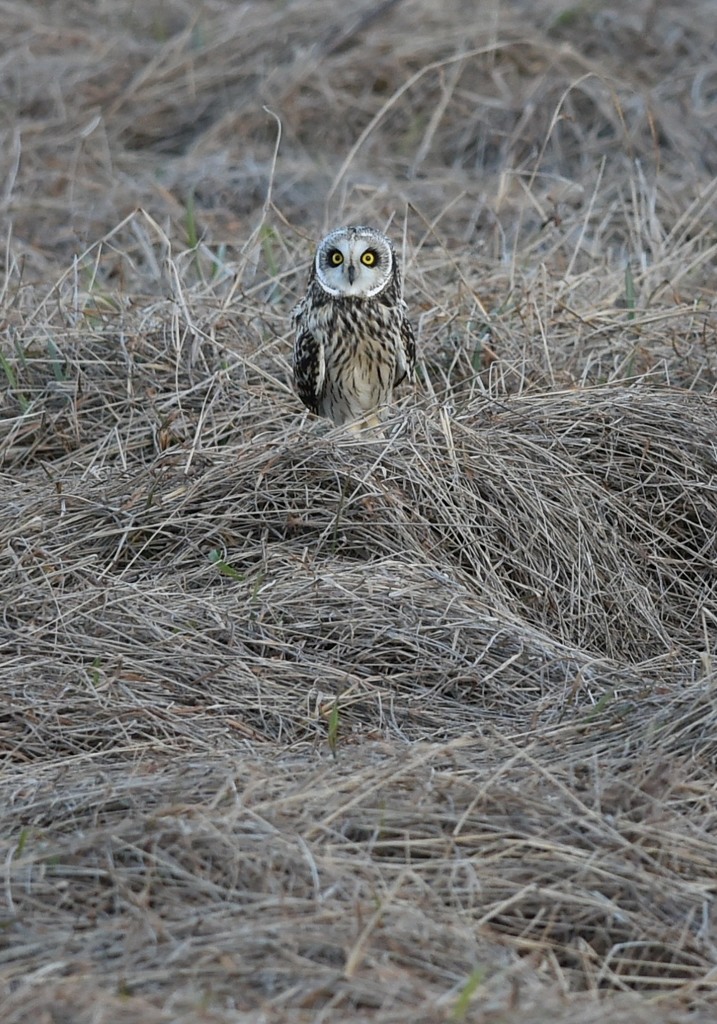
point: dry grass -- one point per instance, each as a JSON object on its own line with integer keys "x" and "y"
{"x": 300, "y": 725}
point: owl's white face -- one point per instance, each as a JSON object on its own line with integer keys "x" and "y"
{"x": 354, "y": 261}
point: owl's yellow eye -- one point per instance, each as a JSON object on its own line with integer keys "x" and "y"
{"x": 335, "y": 258}
{"x": 369, "y": 258}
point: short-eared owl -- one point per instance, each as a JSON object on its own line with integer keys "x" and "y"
{"x": 353, "y": 341}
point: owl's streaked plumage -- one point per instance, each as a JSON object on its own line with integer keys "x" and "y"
{"x": 353, "y": 342}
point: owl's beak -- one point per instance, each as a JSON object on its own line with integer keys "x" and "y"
{"x": 351, "y": 271}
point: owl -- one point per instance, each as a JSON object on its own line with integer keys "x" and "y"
{"x": 353, "y": 342}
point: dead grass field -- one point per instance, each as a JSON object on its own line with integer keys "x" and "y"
{"x": 299, "y": 726}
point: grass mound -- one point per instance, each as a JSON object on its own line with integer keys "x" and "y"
{"x": 233, "y": 637}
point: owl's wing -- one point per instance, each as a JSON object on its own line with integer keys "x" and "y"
{"x": 407, "y": 353}
{"x": 309, "y": 366}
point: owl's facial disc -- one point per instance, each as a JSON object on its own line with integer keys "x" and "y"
{"x": 354, "y": 263}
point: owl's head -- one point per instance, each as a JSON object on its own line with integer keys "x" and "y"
{"x": 355, "y": 261}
